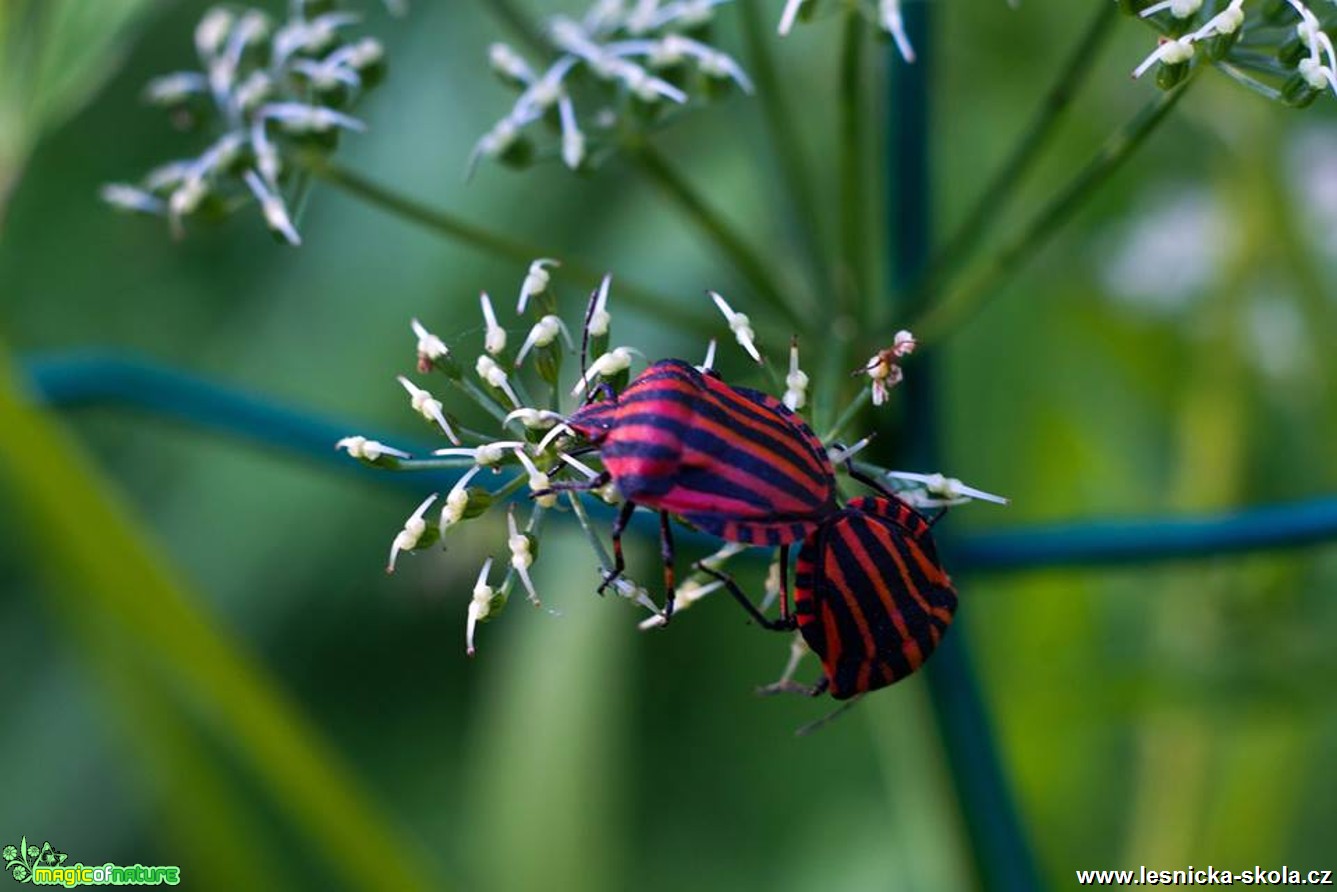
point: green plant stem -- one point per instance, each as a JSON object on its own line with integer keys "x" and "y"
{"x": 937, "y": 319}
{"x": 451, "y": 227}
{"x": 785, "y": 140}
{"x": 519, "y": 24}
{"x": 1000, "y": 191}
{"x": 851, "y": 412}
{"x": 854, "y": 285}
{"x": 748, "y": 263}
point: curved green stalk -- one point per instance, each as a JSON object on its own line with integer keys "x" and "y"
{"x": 785, "y": 140}
{"x": 938, "y": 319}
{"x": 996, "y": 196}
{"x": 855, "y": 274}
{"x": 720, "y": 233}
{"x": 452, "y": 227}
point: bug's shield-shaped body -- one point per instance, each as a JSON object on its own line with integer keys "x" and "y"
{"x": 871, "y": 598}
{"x": 733, "y": 462}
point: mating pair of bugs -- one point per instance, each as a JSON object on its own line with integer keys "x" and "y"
{"x": 870, "y": 599}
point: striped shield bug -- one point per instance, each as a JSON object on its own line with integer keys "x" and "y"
{"x": 870, "y": 596}
{"x": 733, "y": 462}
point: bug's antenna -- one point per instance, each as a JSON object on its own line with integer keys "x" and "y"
{"x": 831, "y": 716}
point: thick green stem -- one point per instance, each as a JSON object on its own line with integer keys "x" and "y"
{"x": 718, "y": 231}
{"x": 1003, "y": 187}
{"x": 855, "y": 283}
{"x": 785, "y": 140}
{"x": 938, "y": 319}
{"x": 453, "y": 228}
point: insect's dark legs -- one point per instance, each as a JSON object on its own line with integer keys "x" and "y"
{"x": 619, "y": 562}
{"x": 574, "y": 485}
{"x": 666, "y": 554}
{"x": 784, "y": 624}
{"x": 784, "y": 583}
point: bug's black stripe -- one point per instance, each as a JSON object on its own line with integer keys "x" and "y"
{"x": 917, "y": 620}
{"x": 938, "y": 593}
{"x": 770, "y": 411}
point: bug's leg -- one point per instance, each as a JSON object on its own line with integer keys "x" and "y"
{"x": 573, "y": 485}
{"x": 784, "y": 583}
{"x": 786, "y": 684}
{"x": 775, "y": 625}
{"x": 870, "y": 482}
{"x": 619, "y": 562}
{"x": 666, "y": 554}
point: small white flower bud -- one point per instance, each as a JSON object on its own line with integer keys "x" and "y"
{"x": 1182, "y": 9}
{"x": 368, "y": 450}
{"x": 457, "y": 501}
{"x": 508, "y": 63}
{"x": 796, "y": 382}
{"x": 429, "y": 345}
{"x": 411, "y": 535}
{"x": 600, "y": 318}
{"x": 540, "y": 486}
{"x": 611, "y": 363}
{"x": 739, "y": 324}
{"x": 533, "y": 419}
{"x": 480, "y": 606}
{"x": 125, "y": 197}
{"x": 213, "y": 30}
{"x": 522, "y": 556}
{"x": 494, "y": 341}
{"x": 428, "y": 407}
{"x": 536, "y": 282}
{"x": 495, "y": 376}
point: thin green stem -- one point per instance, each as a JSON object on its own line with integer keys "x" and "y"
{"x": 854, "y": 285}
{"x": 481, "y": 397}
{"x": 851, "y": 412}
{"x": 996, "y": 196}
{"x": 785, "y": 140}
{"x": 519, "y": 24}
{"x": 429, "y": 464}
{"x": 938, "y": 319}
{"x": 706, "y": 219}
{"x": 451, "y": 227}
{"x": 583, "y": 519}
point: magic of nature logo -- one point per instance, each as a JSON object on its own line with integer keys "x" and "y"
{"x": 45, "y": 866}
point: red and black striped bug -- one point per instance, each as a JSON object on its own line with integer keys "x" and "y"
{"x": 870, "y": 597}
{"x": 733, "y": 462}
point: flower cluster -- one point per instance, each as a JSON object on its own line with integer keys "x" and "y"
{"x": 1288, "y": 56}
{"x": 627, "y": 61}
{"x": 536, "y": 453}
{"x": 266, "y": 91}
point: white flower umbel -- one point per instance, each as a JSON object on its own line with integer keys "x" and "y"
{"x": 687, "y": 594}
{"x": 613, "y": 51}
{"x": 632, "y": 592}
{"x": 521, "y": 546}
{"x": 544, "y": 332}
{"x": 709, "y": 362}
{"x": 411, "y": 535}
{"x": 612, "y": 363}
{"x": 257, "y": 79}
{"x": 796, "y": 382}
{"x": 938, "y": 491}
{"x": 789, "y": 16}
{"x": 428, "y": 407}
{"x": 535, "y": 419}
{"x": 495, "y": 376}
{"x": 739, "y": 324}
{"x": 370, "y": 451}
{"x": 480, "y": 606}
{"x": 536, "y": 282}
{"x": 1168, "y": 52}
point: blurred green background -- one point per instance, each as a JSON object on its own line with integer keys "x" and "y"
{"x": 320, "y": 726}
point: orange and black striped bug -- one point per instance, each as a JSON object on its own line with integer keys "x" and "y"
{"x": 870, "y": 598}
